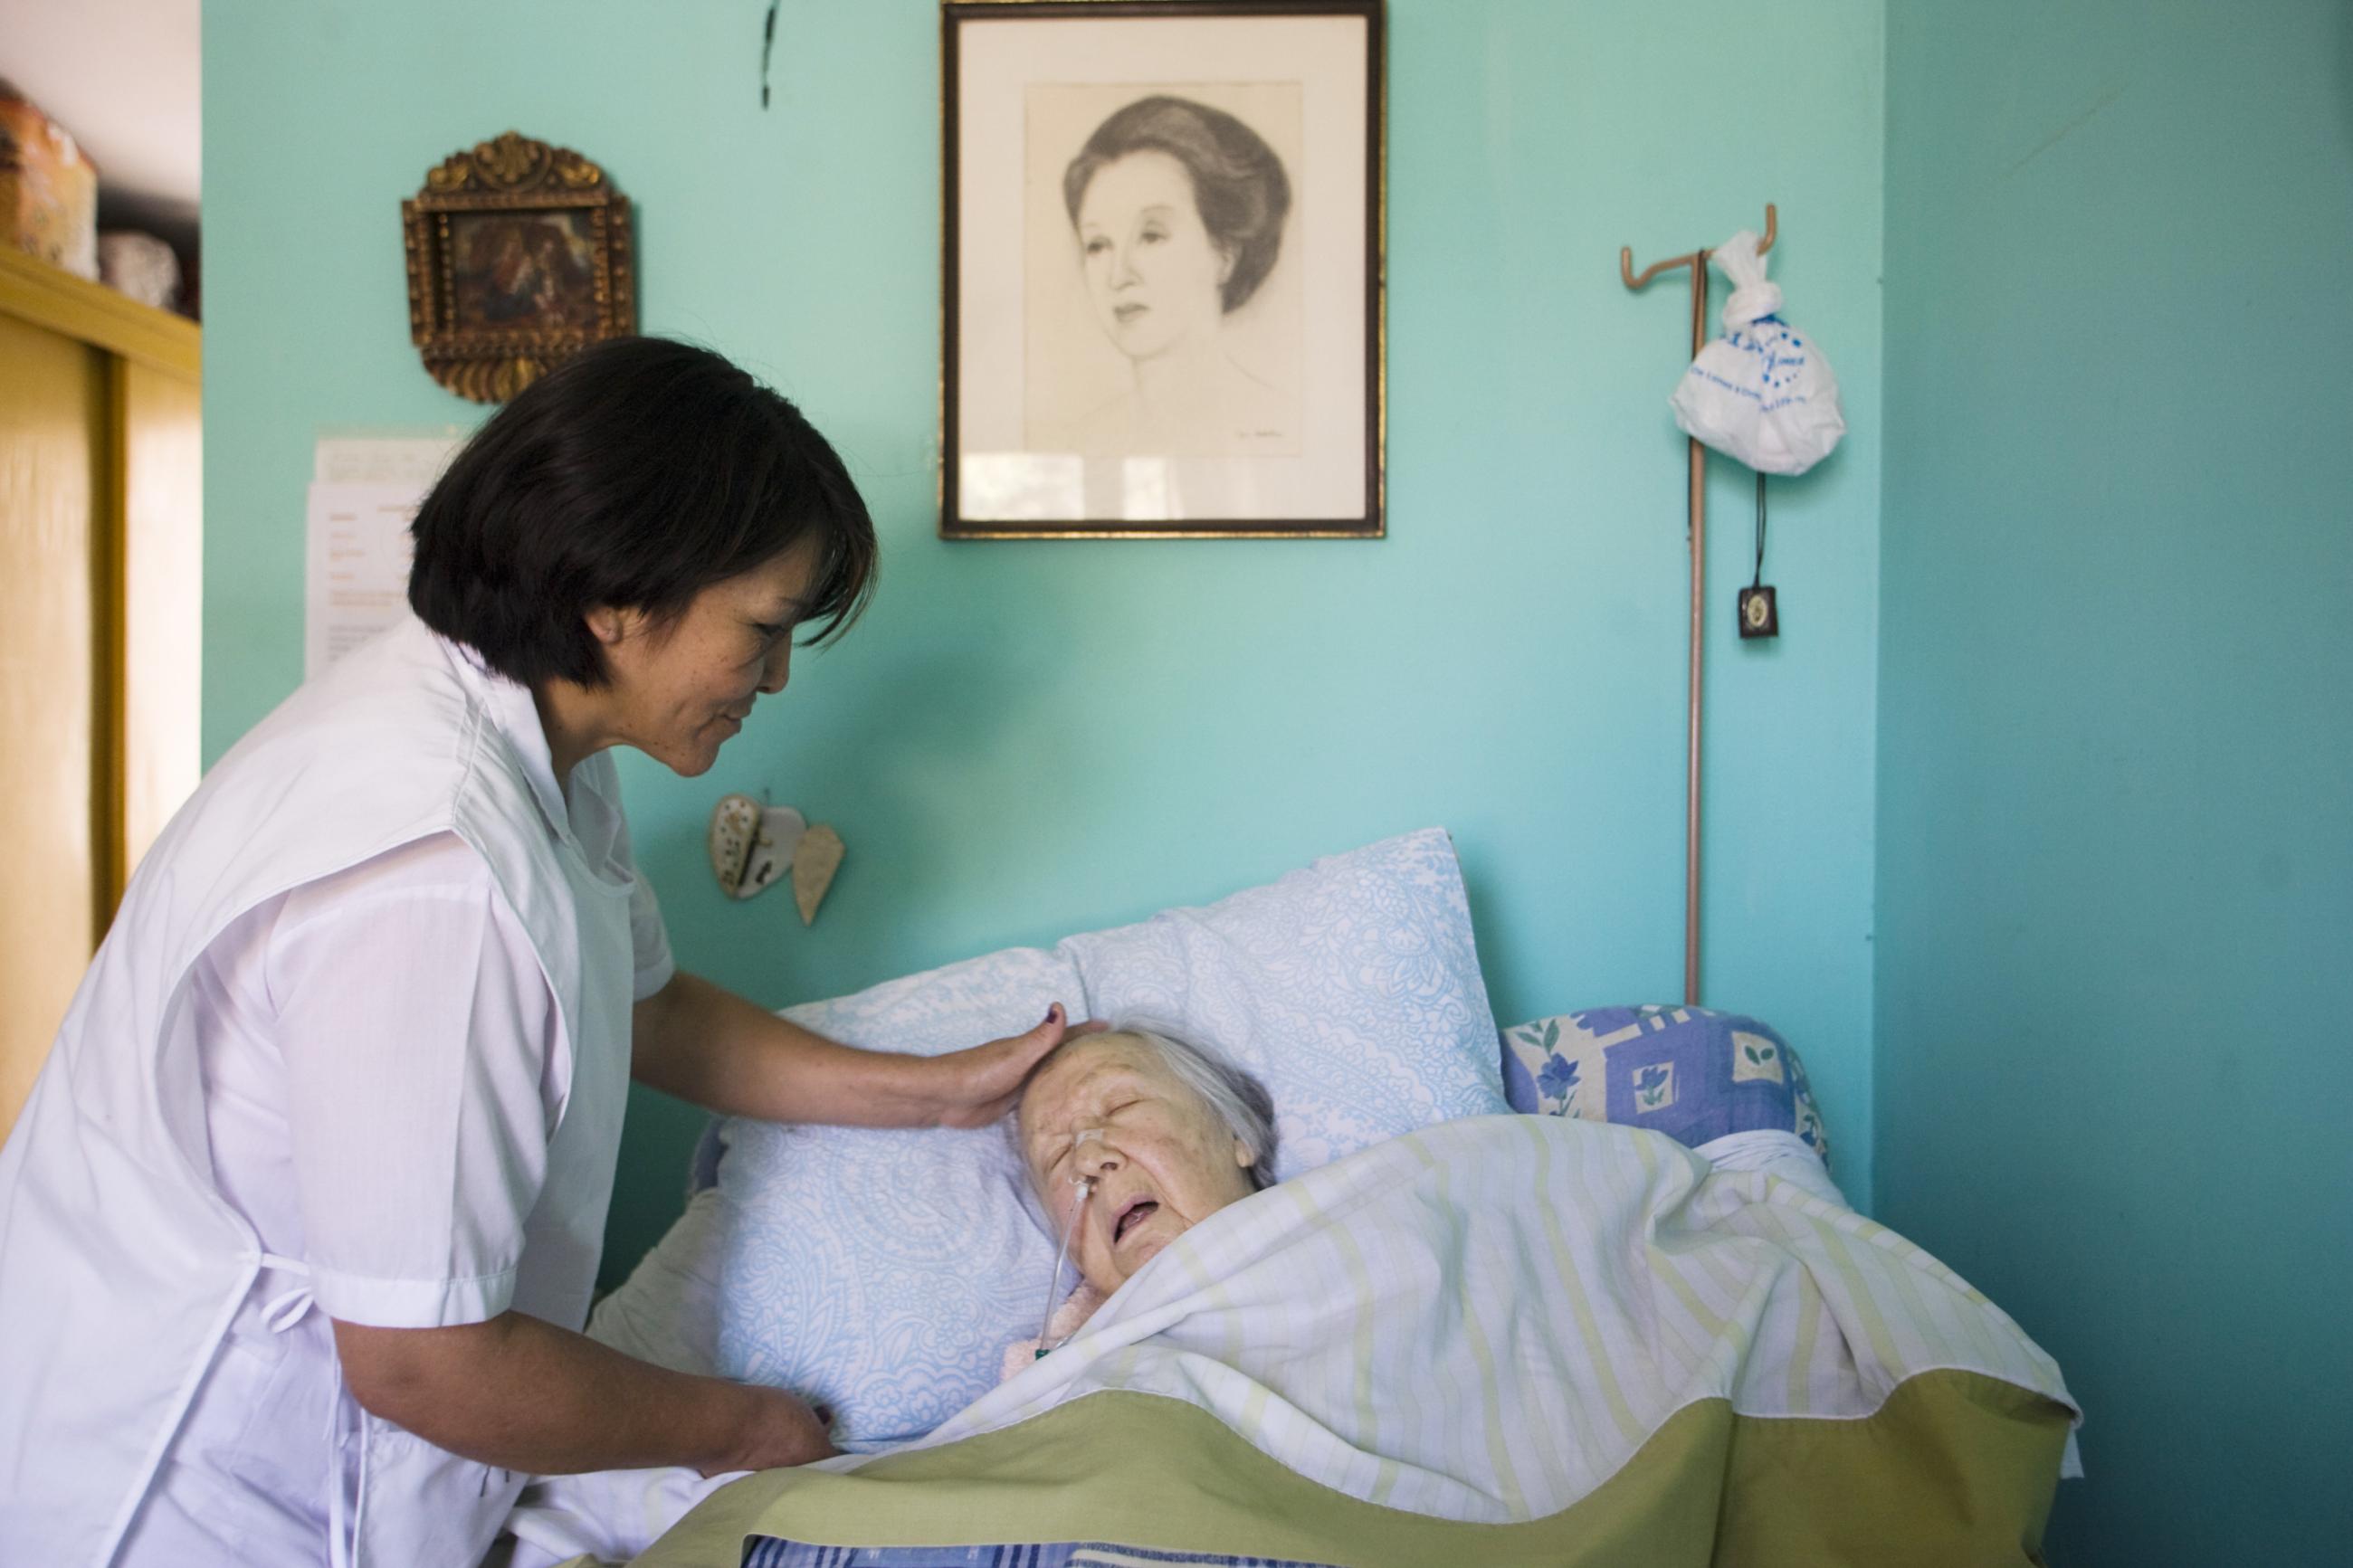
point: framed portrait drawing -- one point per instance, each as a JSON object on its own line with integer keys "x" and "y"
{"x": 1162, "y": 238}
{"x": 519, "y": 256}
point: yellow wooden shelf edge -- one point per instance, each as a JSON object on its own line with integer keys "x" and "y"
{"x": 51, "y": 297}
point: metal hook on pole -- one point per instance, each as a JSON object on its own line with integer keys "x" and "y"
{"x": 1698, "y": 258}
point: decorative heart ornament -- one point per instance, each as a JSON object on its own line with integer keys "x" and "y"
{"x": 815, "y": 859}
{"x": 752, "y": 846}
{"x": 734, "y": 824}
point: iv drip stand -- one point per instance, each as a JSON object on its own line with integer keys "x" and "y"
{"x": 1697, "y": 262}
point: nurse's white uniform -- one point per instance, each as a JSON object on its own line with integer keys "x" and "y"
{"x": 356, "y": 1047}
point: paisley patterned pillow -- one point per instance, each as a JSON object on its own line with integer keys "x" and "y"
{"x": 1351, "y": 989}
{"x": 883, "y": 1273}
{"x": 1691, "y": 1073}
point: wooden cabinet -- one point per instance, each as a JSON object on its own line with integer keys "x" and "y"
{"x": 101, "y": 482}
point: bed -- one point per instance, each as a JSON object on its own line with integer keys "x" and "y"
{"x": 1589, "y": 1297}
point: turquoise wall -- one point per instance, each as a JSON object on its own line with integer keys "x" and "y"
{"x": 1024, "y": 740}
{"x": 2115, "y": 724}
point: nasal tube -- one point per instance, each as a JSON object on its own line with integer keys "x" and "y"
{"x": 1086, "y": 1185}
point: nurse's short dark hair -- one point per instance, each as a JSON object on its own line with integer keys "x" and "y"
{"x": 1239, "y": 183}
{"x": 634, "y": 475}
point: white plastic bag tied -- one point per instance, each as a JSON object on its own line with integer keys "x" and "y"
{"x": 1762, "y": 393}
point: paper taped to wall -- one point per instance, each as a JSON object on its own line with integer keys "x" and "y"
{"x": 409, "y": 457}
{"x": 365, "y": 487}
{"x": 357, "y": 577}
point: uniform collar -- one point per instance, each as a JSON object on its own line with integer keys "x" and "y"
{"x": 516, "y": 715}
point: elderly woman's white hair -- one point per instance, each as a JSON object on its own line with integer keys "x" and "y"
{"x": 1238, "y": 1100}
{"x": 1241, "y": 1101}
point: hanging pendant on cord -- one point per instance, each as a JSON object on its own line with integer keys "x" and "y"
{"x": 1759, "y": 615}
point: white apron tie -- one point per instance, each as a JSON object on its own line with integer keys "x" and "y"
{"x": 281, "y": 1313}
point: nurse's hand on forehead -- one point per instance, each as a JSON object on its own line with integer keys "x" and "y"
{"x": 977, "y": 1087}
{"x": 712, "y": 1047}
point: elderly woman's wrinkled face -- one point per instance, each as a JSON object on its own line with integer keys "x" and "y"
{"x": 1152, "y": 268}
{"x": 1163, "y": 1160}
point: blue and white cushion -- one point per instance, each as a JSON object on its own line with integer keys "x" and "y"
{"x": 1692, "y": 1073}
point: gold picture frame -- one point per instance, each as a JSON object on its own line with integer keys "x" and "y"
{"x": 1241, "y": 394}
{"x": 519, "y": 256}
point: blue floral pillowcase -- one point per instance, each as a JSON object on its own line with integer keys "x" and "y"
{"x": 1691, "y": 1073}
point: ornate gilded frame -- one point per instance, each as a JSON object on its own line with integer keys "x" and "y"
{"x": 491, "y": 361}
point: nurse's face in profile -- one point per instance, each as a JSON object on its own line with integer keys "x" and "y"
{"x": 683, "y": 689}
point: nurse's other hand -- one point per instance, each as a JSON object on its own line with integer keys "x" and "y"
{"x": 974, "y": 1088}
{"x": 780, "y": 1431}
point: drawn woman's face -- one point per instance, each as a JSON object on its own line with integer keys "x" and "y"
{"x": 1151, "y": 271}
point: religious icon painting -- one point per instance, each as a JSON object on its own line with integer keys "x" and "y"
{"x": 1162, "y": 254}
{"x": 519, "y": 256}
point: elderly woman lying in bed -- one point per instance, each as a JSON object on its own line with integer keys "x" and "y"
{"x": 1131, "y": 1138}
{"x": 1651, "y": 1305}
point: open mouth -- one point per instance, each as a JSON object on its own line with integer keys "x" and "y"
{"x": 1133, "y": 1215}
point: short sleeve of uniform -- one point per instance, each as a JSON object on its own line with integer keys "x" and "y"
{"x": 425, "y": 1066}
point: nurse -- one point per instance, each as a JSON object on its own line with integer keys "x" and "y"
{"x": 300, "y": 1224}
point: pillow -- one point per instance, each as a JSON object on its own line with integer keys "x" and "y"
{"x": 1691, "y": 1073}
{"x": 883, "y": 1273}
{"x": 1351, "y": 989}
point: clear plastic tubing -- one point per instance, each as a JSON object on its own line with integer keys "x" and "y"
{"x": 1086, "y": 1185}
